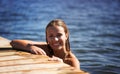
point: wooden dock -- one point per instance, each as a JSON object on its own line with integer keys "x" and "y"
{"x": 21, "y": 62}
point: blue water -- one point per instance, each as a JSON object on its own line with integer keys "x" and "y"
{"x": 94, "y": 28}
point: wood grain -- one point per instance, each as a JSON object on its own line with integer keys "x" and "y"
{"x": 20, "y": 62}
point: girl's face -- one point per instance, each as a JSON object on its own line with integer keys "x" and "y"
{"x": 56, "y": 37}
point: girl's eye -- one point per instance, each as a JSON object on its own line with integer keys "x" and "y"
{"x": 50, "y": 36}
{"x": 59, "y": 35}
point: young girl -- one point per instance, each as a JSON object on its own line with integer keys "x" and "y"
{"x": 57, "y": 44}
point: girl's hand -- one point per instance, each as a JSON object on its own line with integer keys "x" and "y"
{"x": 55, "y": 59}
{"x": 37, "y": 50}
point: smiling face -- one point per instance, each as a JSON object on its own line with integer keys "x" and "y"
{"x": 56, "y": 37}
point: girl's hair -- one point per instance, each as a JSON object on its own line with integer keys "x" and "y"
{"x": 58, "y": 22}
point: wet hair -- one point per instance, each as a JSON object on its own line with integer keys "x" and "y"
{"x": 59, "y": 22}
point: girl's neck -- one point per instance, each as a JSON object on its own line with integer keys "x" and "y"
{"x": 59, "y": 53}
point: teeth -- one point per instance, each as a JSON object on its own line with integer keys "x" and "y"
{"x": 56, "y": 44}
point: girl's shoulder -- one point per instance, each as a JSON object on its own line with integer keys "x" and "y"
{"x": 72, "y": 60}
{"x": 70, "y": 55}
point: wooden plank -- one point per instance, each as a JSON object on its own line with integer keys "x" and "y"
{"x": 7, "y": 53}
{"x": 4, "y": 43}
{"x": 32, "y": 67}
{"x": 23, "y": 60}
{"x": 18, "y": 56}
{"x": 13, "y": 52}
{"x": 47, "y": 71}
{"x": 19, "y": 62}
{"x": 11, "y": 58}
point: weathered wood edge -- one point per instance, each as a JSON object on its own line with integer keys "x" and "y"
{"x": 5, "y": 46}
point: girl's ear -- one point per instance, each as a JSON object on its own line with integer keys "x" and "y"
{"x": 66, "y": 36}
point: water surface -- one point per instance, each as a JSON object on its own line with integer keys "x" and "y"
{"x": 94, "y": 28}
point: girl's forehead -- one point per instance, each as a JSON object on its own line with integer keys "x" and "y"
{"x": 55, "y": 28}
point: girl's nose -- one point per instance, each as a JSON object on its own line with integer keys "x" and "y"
{"x": 56, "y": 39}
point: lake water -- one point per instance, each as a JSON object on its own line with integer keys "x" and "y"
{"x": 94, "y": 28}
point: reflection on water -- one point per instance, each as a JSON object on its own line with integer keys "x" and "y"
{"x": 94, "y": 28}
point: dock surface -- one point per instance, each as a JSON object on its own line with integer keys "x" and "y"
{"x": 20, "y": 62}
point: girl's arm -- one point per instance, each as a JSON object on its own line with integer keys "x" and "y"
{"x": 31, "y": 46}
{"x": 73, "y": 61}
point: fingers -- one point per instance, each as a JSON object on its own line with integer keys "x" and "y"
{"x": 38, "y": 51}
{"x": 41, "y": 52}
{"x": 55, "y": 59}
{"x": 33, "y": 51}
